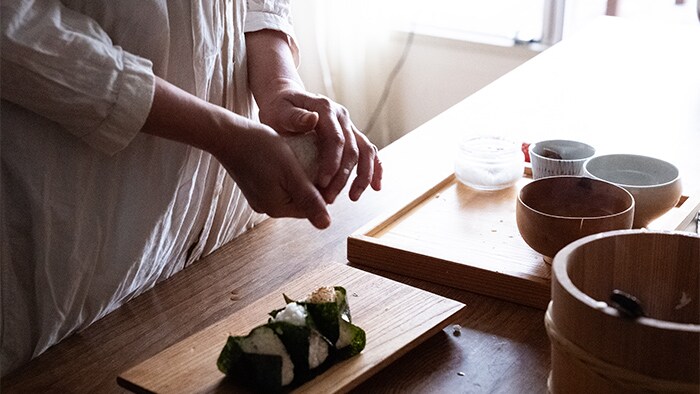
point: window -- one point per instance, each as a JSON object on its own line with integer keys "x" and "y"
{"x": 509, "y": 22}
{"x": 498, "y": 22}
{"x": 495, "y": 21}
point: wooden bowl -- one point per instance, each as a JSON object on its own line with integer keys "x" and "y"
{"x": 655, "y": 184}
{"x": 597, "y": 349}
{"x": 554, "y": 211}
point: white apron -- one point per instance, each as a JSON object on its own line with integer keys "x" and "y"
{"x": 94, "y": 212}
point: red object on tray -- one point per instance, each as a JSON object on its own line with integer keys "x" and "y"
{"x": 526, "y": 151}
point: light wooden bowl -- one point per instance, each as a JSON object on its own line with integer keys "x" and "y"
{"x": 554, "y": 211}
{"x": 595, "y": 349}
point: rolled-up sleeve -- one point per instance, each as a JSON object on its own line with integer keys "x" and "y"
{"x": 272, "y": 14}
{"x": 61, "y": 65}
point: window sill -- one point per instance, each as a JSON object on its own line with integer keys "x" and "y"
{"x": 463, "y": 36}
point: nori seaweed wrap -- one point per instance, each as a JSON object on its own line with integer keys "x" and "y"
{"x": 299, "y": 341}
{"x": 329, "y": 309}
{"x": 259, "y": 358}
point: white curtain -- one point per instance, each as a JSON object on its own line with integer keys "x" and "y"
{"x": 345, "y": 53}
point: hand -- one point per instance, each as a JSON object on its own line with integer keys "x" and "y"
{"x": 341, "y": 145}
{"x": 277, "y": 185}
{"x": 287, "y": 107}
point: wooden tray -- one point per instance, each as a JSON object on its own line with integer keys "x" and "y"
{"x": 395, "y": 317}
{"x": 467, "y": 239}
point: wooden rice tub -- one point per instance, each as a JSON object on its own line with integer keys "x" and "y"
{"x": 595, "y": 348}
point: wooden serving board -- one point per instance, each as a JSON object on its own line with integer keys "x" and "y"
{"x": 395, "y": 317}
{"x": 468, "y": 239}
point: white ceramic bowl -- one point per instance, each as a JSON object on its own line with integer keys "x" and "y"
{"x": 655, "y": 184}
{"x": 559, "y": 157}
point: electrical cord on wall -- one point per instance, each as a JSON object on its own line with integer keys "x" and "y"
{"x": 389, "y": 82}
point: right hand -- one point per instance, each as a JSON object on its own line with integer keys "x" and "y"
{"x": 271, "y": 178}
{"x": 341, "y": 145}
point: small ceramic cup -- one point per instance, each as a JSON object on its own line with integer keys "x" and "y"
{"x": 559, "y": 157}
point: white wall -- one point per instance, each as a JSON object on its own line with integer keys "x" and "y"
{"x": 437, "y": 74}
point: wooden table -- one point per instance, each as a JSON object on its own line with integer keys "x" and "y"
{"x": 621, "y": 86}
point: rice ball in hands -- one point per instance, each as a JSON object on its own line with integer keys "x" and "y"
{"x": 305, "y": 148}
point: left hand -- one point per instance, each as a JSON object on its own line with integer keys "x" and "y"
{"x": 341, "y": 145}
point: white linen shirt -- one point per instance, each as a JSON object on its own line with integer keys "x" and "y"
{"x": 94, "y": 212}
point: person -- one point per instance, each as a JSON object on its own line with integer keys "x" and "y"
{"x": 141, "y": 135}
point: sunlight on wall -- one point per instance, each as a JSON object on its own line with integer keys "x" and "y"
{"x": 355, "y": 50}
